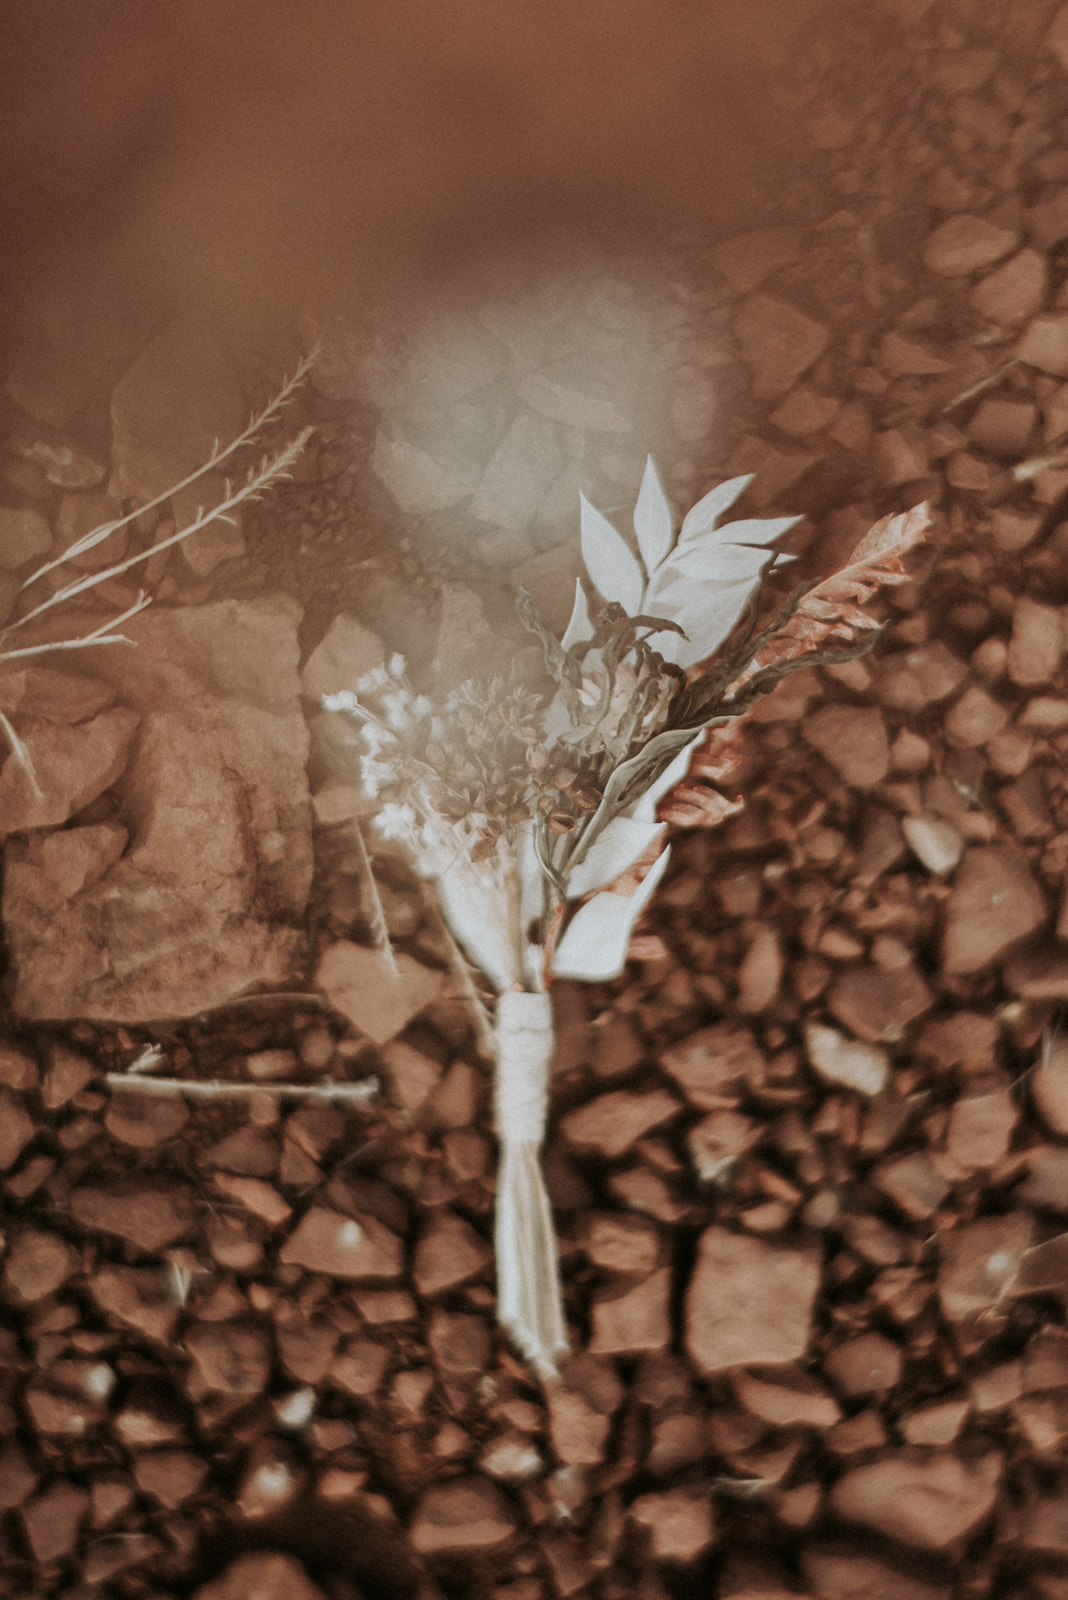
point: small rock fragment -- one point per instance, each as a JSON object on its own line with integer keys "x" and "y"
{"x": 974, "y": 719}
{"x": 24, "y": 535}
{"x": 1003, "y": 427}
{"x": 346, "y": 653}
{"x": 37, "y": 1264}
{"x": 868, "y": 1364}
{"x": 679, "y": 1523}
{"x": 1045, "y": 344}
{"x": 140, "y": 1298}
{"x": 73, "y": 766}
{"x": 638, "y": 1318}
{"x": 980, "y": 1261}
{"x": 749, "y": 1302}
{"x": 614, "y": 1122}
{"x": 934, "y": 840}
{"x": 1037, "y": 642}
{"x": 17, "y": 1478}
{"x": 53, "y": 1520}
{"x": 980, "y": 1129}
{"x": 342, "y": 1247}
{"x": 16, "y": 1129}
{"x": 169, "y": 1476}
{"x": 1014, "y": 291}
{"x": 994, "y": 903}
{"x": 913, "y": 679}
{"x": 778, "y": 343}
{"x": 849, "y": 1062}
{"x": 148, "y": 1215}
{"x": 448, "y": 1253}
{"x": 852, "y": 739}
{"x": 927, "y": 1502}
{"x": 878, "y": 1002}
{"x": 797, "y": 1400}
{"x": 228, "y": 1358}
{"x": 144, "y": 1121}
{"x": 913, "y": 1182}
{"x": 621, "y": 1243}
{"x": 964, "y": 243}
{"x": 466, "y": 1514}
{"x": 378, "y": 1002}
{"x": 712, "y": 1066}
{"x": 262, "y": 1575}
{"x": 360, "y": 1367}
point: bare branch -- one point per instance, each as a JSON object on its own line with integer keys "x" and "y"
{"x": 220, "y": 1089}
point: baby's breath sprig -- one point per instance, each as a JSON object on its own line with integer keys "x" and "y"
{"x": 537, "y": 818}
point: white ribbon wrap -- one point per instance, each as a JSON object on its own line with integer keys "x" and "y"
{"x": 529, "y": 1301}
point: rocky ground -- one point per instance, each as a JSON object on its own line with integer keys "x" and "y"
{"x": 808, "y": 1156}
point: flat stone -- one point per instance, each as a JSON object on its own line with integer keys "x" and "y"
{"x": 995, "y": 902}
{"x": 566, "y": 390}
{"x": 466, "y": 1514}
{"x": 934, "y": 840}
{"x": 634, "y": 1319}
{"x": 713, "y": 1066}
{"x": 928, "y": 1502}
{"x": 1049, "y": 1085}
{"x": 460, "y": 1343}
{"x": 913, "y": 679}
{"x": 149, "y": 1214}
{"x": 232, "y": 1358}
{"x": 1014, "y": 291}
{"x": 141, "y": 1298}
{"x": 579, "y": 1431}
{"x": 345, "y": 654}
{"x": 848, "y": 1062}
{"x": 678, "y": 1521}
{"x": 980, "y": 1129}
{"x": 1045, "y": 344}
{"x": 964, "y": 244}
{"x": 1003, "y": 427}
{"x": 798, "y": 1400}
{"x": 903, "y": 357}
{"x": 144, "y": 1121}
{"x": 777, "y": 343}
{"x": 376, "y": 1001}
{"x": 975, "y": 718}
{"x": 878, "y": 1004}
{"x": 205, "y": 900}
{"x": 169, "y": 1476}
{"x": 73, "y": 765}
{"x": 614, "y": 1122}
{"x": 360, "y": 1367}
{"x": 341, "y": 1247}
{"x": 913, "y": 1182}
{"x": 262, "y": 1575}
{"x": 17, "y": 1478}
{"x": 749, "y": 1302}
{"x": 418, "y": 483}
{"x": 1046, "y": 1184}
{"x": 49, "y": 694}
{"x": 936, "y": 1425}
{"x": 980, "y": 1261}
{"x": 622, "y": 1243}
{"x": 24, "y": 535}
{"x": 52, "y": 1521}
{"x": 718, "y": 1140}
{"x": 449, "y": 1252}
{"x": 38, "y": 1263}
{"x": 852, "y": 740}
{"x": 520, "y": 472}
{"x": 900, "y": 455}
{"x": 1036, "y": 644}
{"x": 17, "y": 1128}
{"x": 868, "y": 1364}
{"x": 804, "y": 412}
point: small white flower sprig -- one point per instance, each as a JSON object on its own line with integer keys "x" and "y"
{"x": 538, "y": 822}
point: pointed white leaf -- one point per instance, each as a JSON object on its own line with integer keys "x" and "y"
{"x": 611, "y": 853}
{"x": 614, "y": 571}
{"x": 579, "y": 628}
{"x": 706, "y": 622}
{"x": 738, "y": 546}
{"x": 594, "y": 947}
{"x": 477, "y": 915}
{"x": 644, "y": 808}
{"x": 653, "y": 520}
{"x": 706, "y": 513}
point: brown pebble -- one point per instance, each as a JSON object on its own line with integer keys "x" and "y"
{"x": 852, "y": 739}
{"x": 343, "y": 1247}
{"x": 228, "y": 1358}
{"x": 868, "y": 1364}
{"x": 929, "y": 1502}
{"x": 749, "y": 1302}
{"x": 994, "y": 903}
{"x": 360, "y": 1367}
{"x": 53, "y": 1520}
{"x": 466, "y": 1514}
{"x": 1014, "y": 291}
{"x": 777, "y": 342}
{"x": 980, "y": 1261}
{"x": 169, "y": 1476}
{"x": 459, "y": 1342}
{"x": 980, "y": 1129}
{"x": 66, "y": 1074}
{"x": 1049, "y": 1085}
{"x": 262, "y": 1575}
{"x": 17, "y": 1128}
{"x": 144, "y": 1120}
{"x": 878, "y": 1004}
{"x": 17, "y": 1478}
{"x": 1036, "y": 644}
{"x": 913, "y": 1182}
{"x": 448, "y": 1253}
{"x": 412, "y": 1075}
{"x": 377, "y": 1001}
{"x": 965, "y": 243}
{"x": 306, "y": 1347}
{"x": 614, "y": 1122}
{"x": 795, "y": 1400}
{"x": 679, "y": 1523}
{"x": 38, "y": 1264}
{"x": 974, "y": 719}
{"x": 621, "y": 1243}
{"x": 149, "y": 1215}
{"x": 632, "y": 1319}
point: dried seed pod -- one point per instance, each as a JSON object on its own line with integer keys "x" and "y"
{"x": 562, "y": 822}
{"x": 587, "y": 798}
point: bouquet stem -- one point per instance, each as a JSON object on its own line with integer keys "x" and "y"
{"x": 529, "y": 1301}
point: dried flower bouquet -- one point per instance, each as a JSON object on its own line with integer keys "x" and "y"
{"x": 537, "y": 819}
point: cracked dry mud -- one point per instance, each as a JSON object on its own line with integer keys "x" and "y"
{"x": 808, "y": 1156}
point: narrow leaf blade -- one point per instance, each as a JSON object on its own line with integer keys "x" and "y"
{"x": 653, "y": 522}
{"x": 615, "y": 572}
{"x": 579, "y": 628}
{"x": 708, "y": 510}
{"x": 618, "y": 848}
{"x": 594, "y": 946}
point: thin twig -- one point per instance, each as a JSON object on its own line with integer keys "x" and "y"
{"x": 216, "y": 459}
{"x": 21, "y": 753}
{"x": 219, "y": 1089}
{"x": 976, "y": 389}
{"x": 379, "y": 930}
